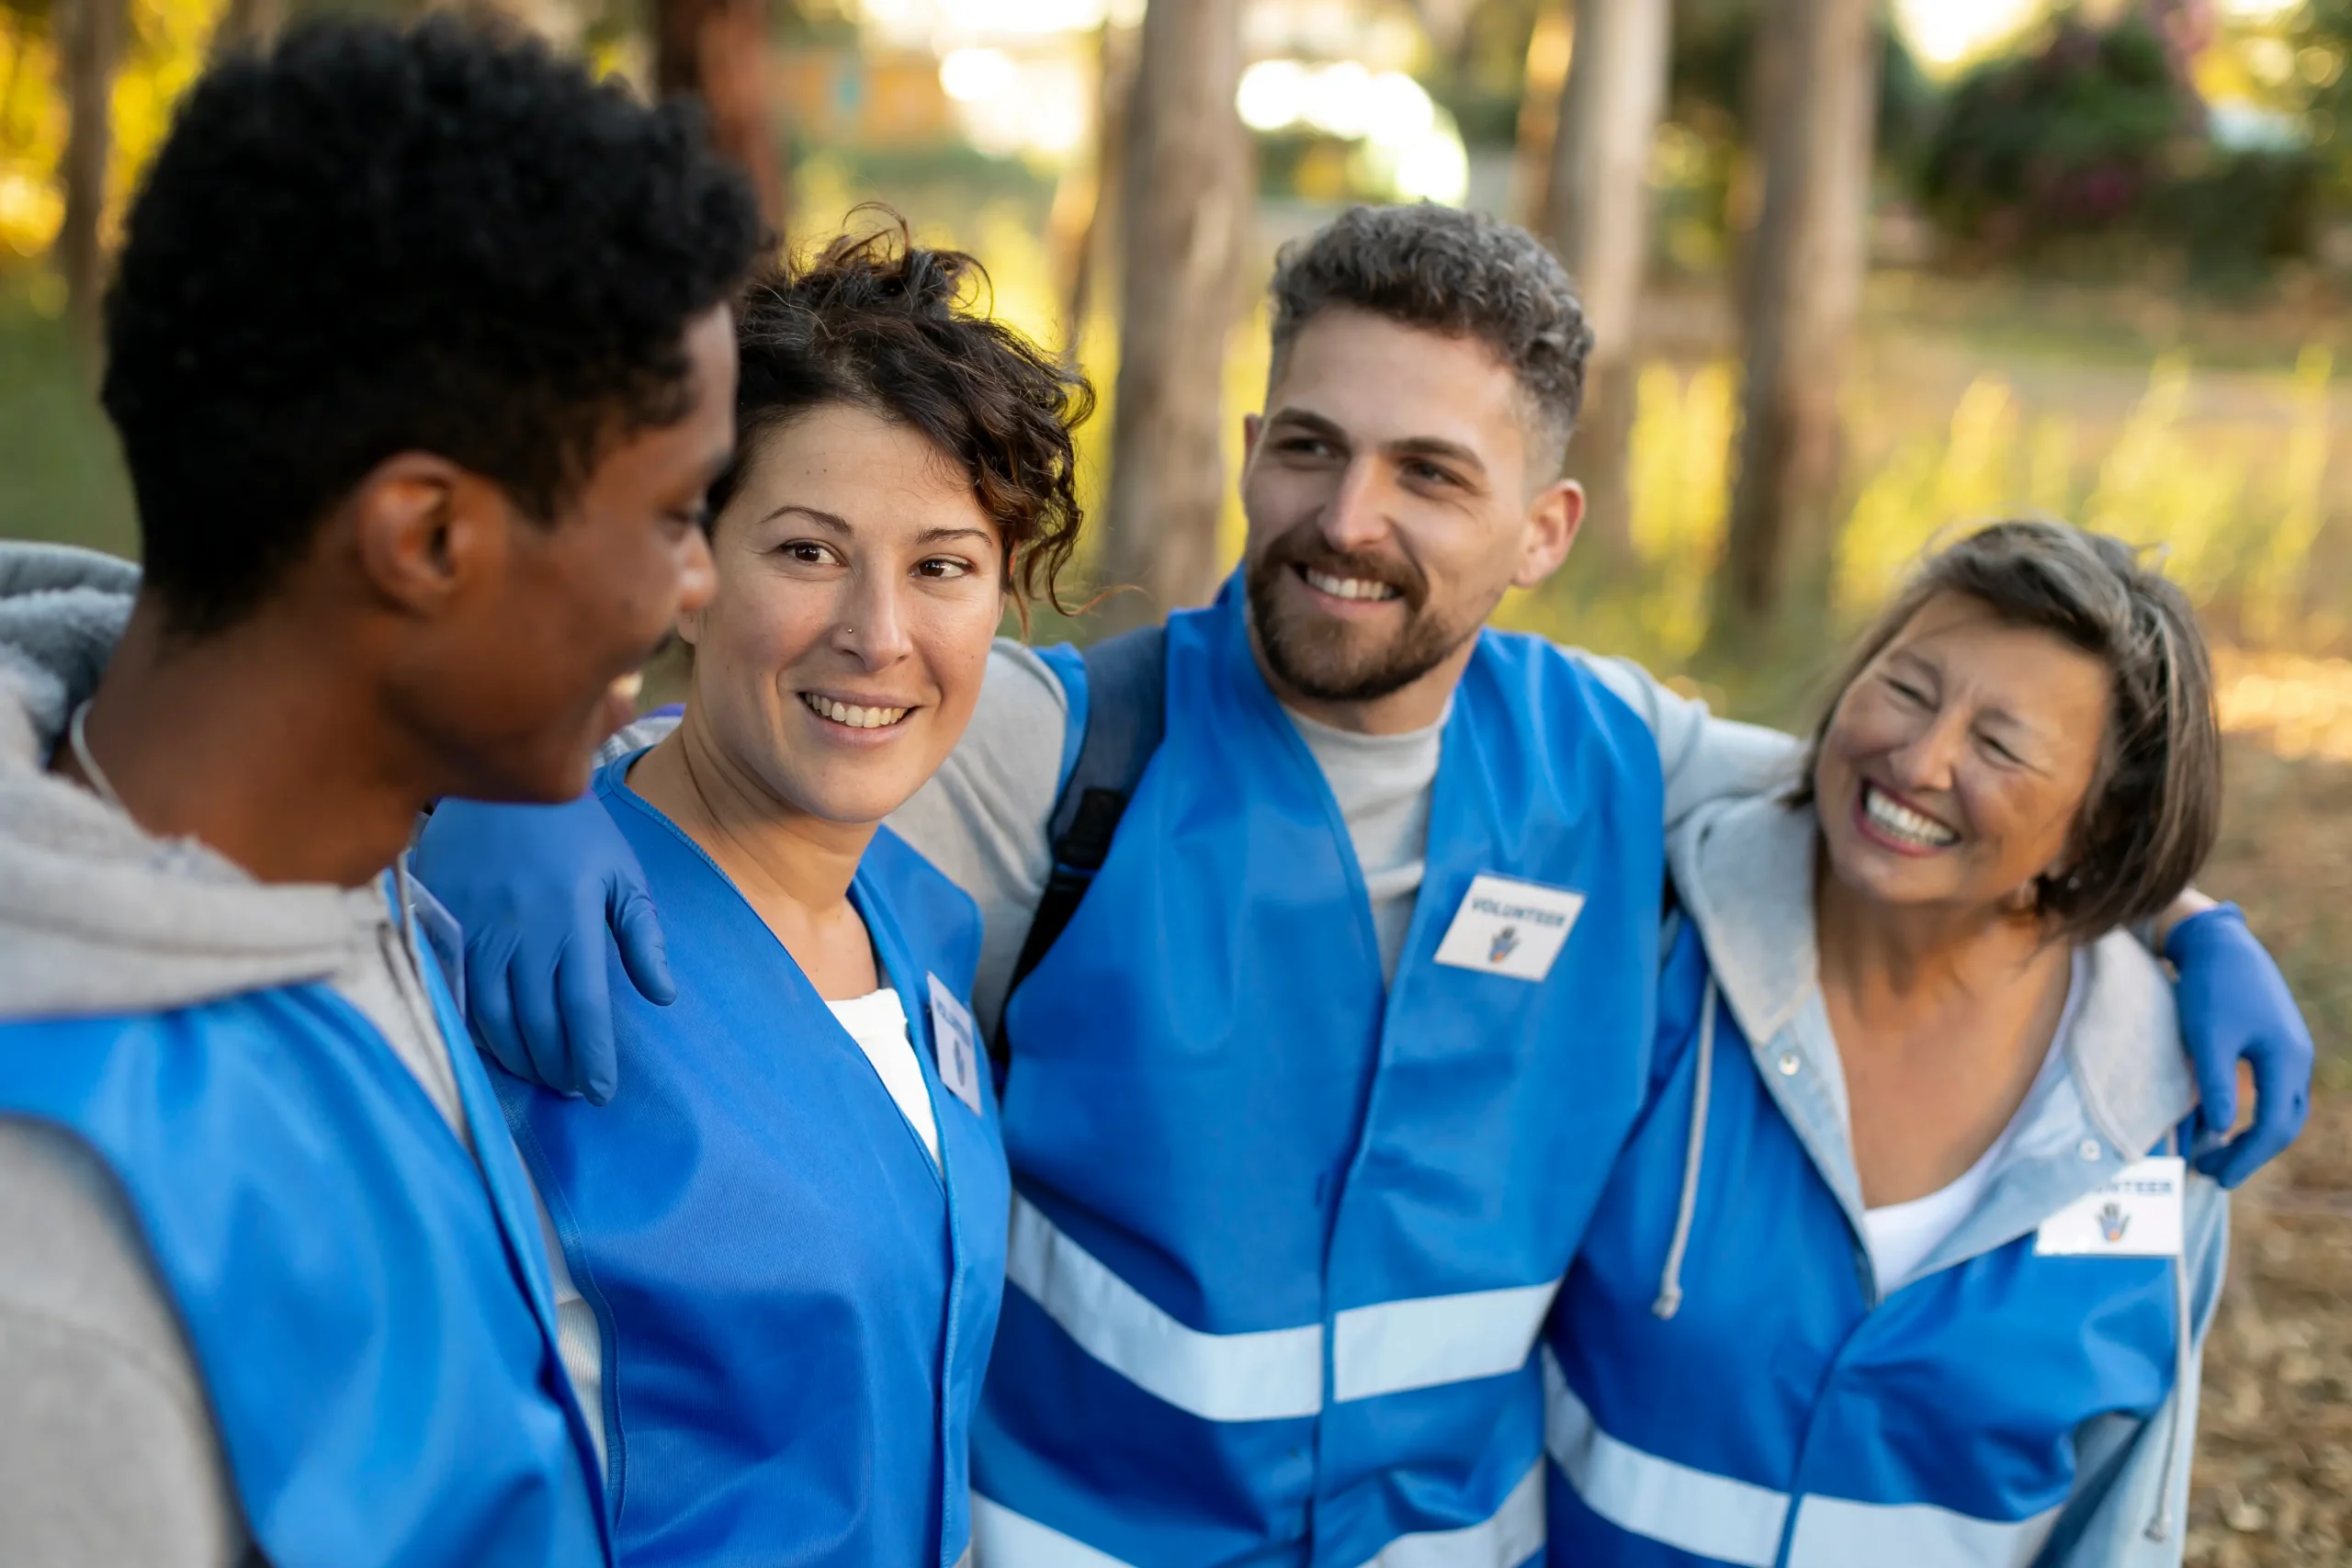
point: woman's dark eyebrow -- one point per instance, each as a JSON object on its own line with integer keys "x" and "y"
{"x": 823, "y": 519}
{"x": 934, "y": 535}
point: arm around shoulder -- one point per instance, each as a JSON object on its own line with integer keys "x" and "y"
{"x": 1702, "y": 758}
{"x": 985, "y": 817}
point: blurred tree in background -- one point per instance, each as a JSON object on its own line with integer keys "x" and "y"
{"x": 716, "y": 51}
{"x": 1738, "y": 409}
{"x": 2098, "y": 135}
{"x": 1183, "y": 230}
{"x": 1594, "y": 211}
{"x": 90, "y": 37}
{"x": 2319, "y": 34}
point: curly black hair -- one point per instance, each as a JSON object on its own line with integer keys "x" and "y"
{"x": 373, "y": 240}
{"x": 880, "y": 322}
{"x": 1461, "y": 274}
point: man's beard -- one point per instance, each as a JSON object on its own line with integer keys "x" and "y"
{"x": 1311, "y": 655}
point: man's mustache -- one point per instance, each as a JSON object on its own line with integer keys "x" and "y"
{"x": 1310, "y": 555}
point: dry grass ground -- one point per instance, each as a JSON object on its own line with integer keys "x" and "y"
{"x": 2274, "y": 1471}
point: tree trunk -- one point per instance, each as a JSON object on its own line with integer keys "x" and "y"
{"x": 1596, "y": 215}
{"x": 1074, "y": 228}
{"x": 717, "y": 51}
{"x": 1182, "y": 232}
{"x": 248, "y": 24}
{"x": 1551, "y": 45}
{"x": 1804, "y": 292}
{"x": 93, "y": 49}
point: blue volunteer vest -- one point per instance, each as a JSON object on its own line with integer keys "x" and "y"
{"x": 1776, "y": 1419}
{"x": 795, "y": 1304}
{"x": 1283, "y": 1236}
{"x": 368, "y": 1307}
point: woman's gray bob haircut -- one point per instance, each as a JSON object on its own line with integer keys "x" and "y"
{"x": 2155, "y": 805}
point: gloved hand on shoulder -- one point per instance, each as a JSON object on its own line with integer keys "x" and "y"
{"x": 543, "y": 893}
{"x": 2234, "y": 1005}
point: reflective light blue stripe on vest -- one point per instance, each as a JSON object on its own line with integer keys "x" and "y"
{"x": 369, "y": 1309}
{"x": 1284, "y": 1238}
{"x": 1778, "y": 1420}
{"x": 796, "y": 1304}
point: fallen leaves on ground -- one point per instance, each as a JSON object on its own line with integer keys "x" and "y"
{"x": 2273, "y": 1486}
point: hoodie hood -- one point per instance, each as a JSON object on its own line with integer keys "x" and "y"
{"x": 96, "y": 916}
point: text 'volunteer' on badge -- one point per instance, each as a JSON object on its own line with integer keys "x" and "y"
{"x": 1515, "y": 928}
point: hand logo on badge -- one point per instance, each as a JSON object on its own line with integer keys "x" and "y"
{"x": 2112, "y": 1223}
{"x": 1506, "y": 942}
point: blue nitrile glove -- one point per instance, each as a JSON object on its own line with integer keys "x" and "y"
{"x": 2234, "y": 1005}
{"x": 536, "y": 887}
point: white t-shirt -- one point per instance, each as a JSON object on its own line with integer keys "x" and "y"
{"x": 1901, "y": 1236}
{"x": 877, "y": 1021}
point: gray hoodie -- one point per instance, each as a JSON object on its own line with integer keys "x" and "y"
{"x": 1744, "y": 872}
{"x": 108, "y": 1454}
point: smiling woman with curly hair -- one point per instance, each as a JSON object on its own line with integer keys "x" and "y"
{"x": 783, "y": 1242}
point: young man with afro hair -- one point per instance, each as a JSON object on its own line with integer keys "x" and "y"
{"x": 420, "y": 356}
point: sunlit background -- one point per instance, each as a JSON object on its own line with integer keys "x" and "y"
{"x": 2172, "y": 376}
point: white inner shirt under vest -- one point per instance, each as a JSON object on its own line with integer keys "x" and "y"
{"x": 877, "y": 1021}
{"x": 1901, "y": 1236}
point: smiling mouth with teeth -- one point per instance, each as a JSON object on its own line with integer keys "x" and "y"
{"x": 1899, "y": 822}
{"x": 1348, "y": 587}
{"x": 850, "y": 716}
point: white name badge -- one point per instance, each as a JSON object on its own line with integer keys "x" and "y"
{"x": 955, "y": 1039}
{"x": 1509, "y": 928}
{"x": 2138, "y": 1215}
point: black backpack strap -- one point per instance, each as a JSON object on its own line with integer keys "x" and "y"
{"x": 1126, "y": 714}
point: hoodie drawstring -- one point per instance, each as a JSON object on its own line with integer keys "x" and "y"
{"x": 2160, "y": 1521}
{"x": 1669, "y": 1285}
{"x": 404, "y": 900}
{"x": 1670, "y": 1288}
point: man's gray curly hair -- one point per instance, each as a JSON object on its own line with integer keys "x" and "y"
{"x": 1462, "y": 274}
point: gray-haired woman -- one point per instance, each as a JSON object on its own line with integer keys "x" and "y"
{"x": 1902, "y": 1266}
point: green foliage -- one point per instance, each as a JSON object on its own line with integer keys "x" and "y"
{"x": 2320, "y": 32}
{"x": 2226, "y": 474}
{"x": 2093, "y": 137}
{"x": 1482, "y": 79}
{"x": 1710, "y": 132}
{"x": 1713, "y": 44}
{"x": 2234, "y": 213}
{"x": 2067, "y": 140}
{"x": 60, "y": 476}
